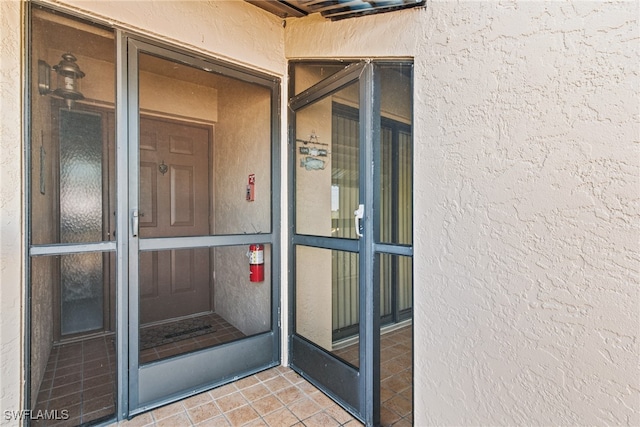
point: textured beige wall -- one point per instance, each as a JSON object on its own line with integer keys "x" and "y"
{"x": 232, "y": 30}
{"x": 526, "y": 204}
{"x": 242, "y": 146}
{"x": 11, "y": 247}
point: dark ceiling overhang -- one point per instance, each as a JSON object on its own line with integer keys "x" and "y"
{"x": 333, "y": 9}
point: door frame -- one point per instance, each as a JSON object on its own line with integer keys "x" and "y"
{"x": 350, "y": 386}
{"x": 357, "y": 390}
{"x": 127, "y": 399}
{"x": 168, "y": 380}
{"x": 107, "y": 115}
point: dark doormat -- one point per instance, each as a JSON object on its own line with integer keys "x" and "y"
{"x": 154, "y": 336}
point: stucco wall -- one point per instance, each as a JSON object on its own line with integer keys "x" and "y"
{"x": 242, "y": 146}
{"x": 231, "y": 30}
{"x": 11, "y": 247}
{"x": 526, "y": 204}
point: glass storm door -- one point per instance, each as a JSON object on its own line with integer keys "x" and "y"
{"x": 351, "y": 212}
{"x": 197, "y": 132}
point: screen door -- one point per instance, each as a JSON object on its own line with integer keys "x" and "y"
{"x": 197, "y": 132}
{"x": 347, "y": 222}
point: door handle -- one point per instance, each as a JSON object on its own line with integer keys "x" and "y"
{"x": 134, "y": 223}
{"x": 358, "y": 214}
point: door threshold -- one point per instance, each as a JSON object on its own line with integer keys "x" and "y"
{"x": 175, "y": 319}
{"x": 84, "y": 337}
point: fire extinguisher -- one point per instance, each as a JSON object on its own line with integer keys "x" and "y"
{"x": 256, "y": 263}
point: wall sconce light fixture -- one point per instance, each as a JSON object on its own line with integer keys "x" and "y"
{"x": 68, "y": 81}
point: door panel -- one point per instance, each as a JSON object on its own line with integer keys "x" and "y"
{"x": 174, "y": 201}
{"x": 178, "y": 179}
{"x": 182, "y": 196}
{"x": 173, "y": 284}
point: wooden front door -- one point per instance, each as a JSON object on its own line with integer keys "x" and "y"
{"x": 175, "y": 201}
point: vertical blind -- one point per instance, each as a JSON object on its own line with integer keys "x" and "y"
{"x": 395, "y": 218}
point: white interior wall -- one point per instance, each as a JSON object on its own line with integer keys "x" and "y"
{"x": 526, "y": 204}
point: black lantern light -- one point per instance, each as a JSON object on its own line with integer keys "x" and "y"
{"x": 68, "y": 81}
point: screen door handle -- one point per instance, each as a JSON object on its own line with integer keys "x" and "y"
{"x": 358, "y": 214}
{"x": 134, "y": 223}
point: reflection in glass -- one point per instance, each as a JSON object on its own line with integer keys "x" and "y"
{"x": 396, "y": 288}
{"x": 71, "y": 148}
{"x": 71, "y": 152}
{"x": 327, "y": 305}
{"x": 327, "y": 182}
{"x": 396, "y": 340}
{"x": 192, "y": 299}
{"x": 307, "y": 75}
{"x": 396, "y": 155}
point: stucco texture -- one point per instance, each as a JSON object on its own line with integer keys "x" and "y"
{"x": 11, "y": 247}
{"x": 232, "y": 30}
{"x": 526, "y": 201}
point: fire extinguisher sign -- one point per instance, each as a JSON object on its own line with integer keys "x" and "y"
{"x": 251, "y": 188}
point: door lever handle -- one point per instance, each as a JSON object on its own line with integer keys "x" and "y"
{"x": 358, "y": 214}
{"x": 134, "y": 223}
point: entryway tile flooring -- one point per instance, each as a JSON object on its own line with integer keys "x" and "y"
{"x": 279, "y": 397}
{"x": 276, "y": 397}
{"x": 396, "y": 387}
{"x": 80, "y": 377}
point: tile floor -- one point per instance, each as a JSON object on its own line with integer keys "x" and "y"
{"x": 275, "y": 397}
{"x": 81, "y": 376}
{"x": 279, "y": 397}
{"x": 396, "y": 388}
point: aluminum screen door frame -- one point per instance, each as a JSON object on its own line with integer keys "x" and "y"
{"x": 357, "y": 390}
{"x": 352, "y": 388}
{"x": 161, "y": 382}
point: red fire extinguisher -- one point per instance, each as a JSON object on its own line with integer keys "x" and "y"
{"x": 256, "y": 263}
